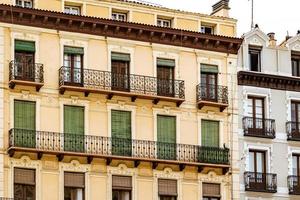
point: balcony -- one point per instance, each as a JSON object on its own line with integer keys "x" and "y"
{"x": 60, "y": 144}
{"x": 294, "y": 185}
{"x": 260, "y": 182}
{"x": 212, "y": 95}
{"x": 26, "y": 74}
{"x": 259, "y": 127}
{"x": 293, "y": 131}
{"x": 133, "y": 86}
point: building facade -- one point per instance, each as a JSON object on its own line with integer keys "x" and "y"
{"x": 117, "y": 100}
{"x": 268, "y": 78}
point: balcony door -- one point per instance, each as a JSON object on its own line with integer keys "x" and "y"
{"x": 120, "y": 71}
{"x": 295, "y": 114}
{"x": 256, "y": 112}
{"x": 24, "y": 60}
{"x": 73, "y": 65}
{"x": 209, "y": 82}
{"x": 165, "y": 77}
{"x": 296, "y": 172}
{"x": 257, "y": 166}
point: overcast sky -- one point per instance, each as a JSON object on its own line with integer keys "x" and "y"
{"x": 277, "y": 16}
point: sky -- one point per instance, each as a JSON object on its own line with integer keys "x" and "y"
{"x": 278, "y": 16}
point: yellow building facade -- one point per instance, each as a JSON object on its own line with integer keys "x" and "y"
{"x": 117, "y": 100}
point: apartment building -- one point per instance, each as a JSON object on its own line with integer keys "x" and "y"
{"x": 117, "y": 100}
{"x": 268, "y": 78}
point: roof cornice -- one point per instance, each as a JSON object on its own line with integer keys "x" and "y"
{"x": 117, "y": 29}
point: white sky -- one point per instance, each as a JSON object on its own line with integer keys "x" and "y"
{"x": 277, "y": 16}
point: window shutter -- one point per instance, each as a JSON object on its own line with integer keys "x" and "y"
{"x": 165, "y": 62}
{"x": 121, "y": 182}
{"x": 24, "y": 176}
{"x": 209, "y": 68}
{"x": 210, "y": 133}
{"x": 121, "y": 124}
{"x": 211, "y": 190}
{"x": 21, "y": 45}
{"x": 167, "y": 187}
{"x": 24, "y": 115}
{"x": 74, "y": 120}
{"x": 74, "y": 180}
{"x": 166, "y": 129}
{"x": 73, "y": 50}
{"x": 120, "y": 56}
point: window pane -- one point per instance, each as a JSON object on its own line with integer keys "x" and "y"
{"x": 254, "y": 57}
{"x": 251, "y": 161}
{"x": 260, "y": 162}
{"x": 259, "y": 108}
{"x": 250, "y": 107}
{"x": 73, "y": 193}
{"x": 294, "y": 162}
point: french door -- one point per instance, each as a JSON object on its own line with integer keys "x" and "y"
{"x": 258, "y": 168}
{"x": 165, "y": 81}
{"x": 73, "y": 64}
{"x": 256, "y": 111}
{"x": 120, "y": 76}
{"x": 24, "y": 66}
{"x": 209, "y": 82}
{"x": 295, "y": 113}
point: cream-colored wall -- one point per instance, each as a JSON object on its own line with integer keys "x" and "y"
{"x": 55, "y": 5}
{"x": 187, "y": 24}
{"x": 144, "y": 18}
{"x": 97, "y": 11}
{"x": 227, "y": 30}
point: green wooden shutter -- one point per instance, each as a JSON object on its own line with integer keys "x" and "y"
{"x": 209, "y": 68}
{"x": 210, "y": 133}
{"x": 120, "y": 56}
{"x": 73, "y": 50}
{"x": 121, "y": 133}
{"x": 21, "y": 45}
{"x": 165, "y": 62}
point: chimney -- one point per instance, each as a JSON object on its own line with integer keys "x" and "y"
{"x": 272, "y": 39}
{"x": 221, "y": 8}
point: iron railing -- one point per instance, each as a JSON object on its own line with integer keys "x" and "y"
{"x": 213, "y": 93}
{"x": 105, "y": 146}
{"x": 137, "y": 84}
{"x": 260, "y": 182}
{"x": 33, "y": 72}
{"x": 259, "y": 127}
{"x": 293, "y": 130}
{"x": 294, "y": 184}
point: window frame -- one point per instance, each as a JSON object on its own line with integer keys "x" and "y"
{"x": 72, "y": 8}
{"x": 264, "y": 153}
{"x": 160, "y": 22}
{"x": 254, "y": 98}
{"x": 295, "y": 63}
{"x": 255, "y": 50}
{"x": 70, "y": 187}
{"x": 118, "y": 14}
{"x": 298, "y": 163}
{"x": 24, "y": 184}
{"x": 23, "y": 3}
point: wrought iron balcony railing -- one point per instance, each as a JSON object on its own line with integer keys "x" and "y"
{"x": 293, "y": 130}
{"x": 26, "y": 73}
{"x": 213, "y": 94}
{"x": 294, "y": 185}
{"x": 110, "y": 147}
{"x": 259, "y": 127}
{"x": 96, "y": 80}
{"x": 260, "y": 182}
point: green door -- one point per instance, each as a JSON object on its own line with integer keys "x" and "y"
{"x": 210, "y": 141}
{"x": 121, "y": 133}
{"x": 74, "y": 128}
{"x": 24, "y": 124}
{"x": 166, "y": 137}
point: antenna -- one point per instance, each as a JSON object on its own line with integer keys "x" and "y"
{"x": 252, "y": 14}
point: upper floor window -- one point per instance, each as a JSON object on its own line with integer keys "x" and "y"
{"x": 296, "y": 63}
{"x": 75, "y": 10}
{"x": 164, "y": 22}
{"x": 255, "y": 58}
{"x": 165, "y": 77}
{"x": 211, "y": 191}
{"x": 167, "y": 189}
{"x": 73, "y": 65}
{"x": 257, "y": 161}
{"x": 207, "y": 28}
{"x": 120, "y": 71}
{"x": 210, "y": 133}
{"x": 121, "y": 16}
{"x": 25, "y": 3}
{"x": 256, "y": 107}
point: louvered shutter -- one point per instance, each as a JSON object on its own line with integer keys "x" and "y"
{"x": 167, "y": 187}
{"x": 210, "y": 133}
{"x": 75, "y": 180}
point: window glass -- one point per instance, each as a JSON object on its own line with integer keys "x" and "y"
{"x": 75, "y": 10}
{"x": 255, "y": 58}
{"x": 121, "y": 195}
{"x": 119, "y": 16}
{"x": 207, "y": 29}
{"x": 164, "y": 22}
{"x": 24, "y": 3}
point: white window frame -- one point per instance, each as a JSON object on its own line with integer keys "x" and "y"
{"x": 71, "y": 9}
{"x": 23, "y": 3}
{"x": 118, "y": 15}
{"x": 160, "y": 22}
{"x": 203, "y": 27}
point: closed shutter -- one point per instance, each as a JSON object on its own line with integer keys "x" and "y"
{"x": 165, "y": 62}
{"x": 73, "y": 50}
{"x": 210, "y": 133}
{"x": 167, "y": 187}
{"x": 205, "y": 68}
{"x": 211, "y": 190}
{"x": 24, "y": 115}
{"x": 74, "y": 120}
{"x": 121, "y": 183}
{"x": 120, "y": 57}
{"x": 24, "y": 176}
{"x": 75, "y": 180}
{"x": 166, "y": 129}
{"x": 21, "y": 45}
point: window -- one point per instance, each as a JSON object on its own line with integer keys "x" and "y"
{"x": 73, "y": 128}
{"x": 296, "y": 63}
{"x": 209, "y": 82}
{"x": 208, "y": 29}
{"x": 121, "y": 187}
{"x": 120, "y": 71}
{"x": 295, "y": 114}
{"x": 74, "y": 186}
{"x": 73, "y": 65}
{"x": 121, "y": 133}
{"x": 164, "y": 22}
{"x": 165, "y": 77}
{"x": 256, "y": 111}
{"x": 75, "y": 10}
{"x": 119, "y": 16}
{"x": 255, "y": 58}
{"x": 257, "y": 161}
{"x": 167, "y": 189}
{"x": 209, "y": 133}
{"x": 24, "y": 184}
{"x": 296, "y": 164}
{"x": 25, "y": 3}
{"x": 211, "y": 191}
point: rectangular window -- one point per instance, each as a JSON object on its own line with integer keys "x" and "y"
{"x": 295, "y": 63}
{"x": 167, "y": 189}
{"x": 257, "y": 161}
{"x": 296, "y": 164}
{"x": 25, "y": 3}
{"x": 166, "y": 137}
{"x": 121, "y": 187}
{"x": 295, "y": 122}
{"x": 164, "y": 22}
{"x": 209, "y": 82}
{"x": 119, "y": 16}
{"x": 24, "y": 184}
{"x": 256, "y": 107}
{"x": 210, "y": 133}
{"x": 255, "y": 58}
{"x": 74, "y": 186}
{"x": 207, "y": 29}
{"x": 120, "y": 71}
{"x": 211, "y": 191}
{"x": 165, "y": 77}
{"x": 121, "y": 133}
{"x": 73, "y": 128}
{"x": 74, "y": 10}
{"x": 73, "y": 65}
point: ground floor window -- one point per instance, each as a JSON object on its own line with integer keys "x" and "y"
{"x": 121, "y": 187}
{"x": 24, "y": 184}
{"x": 74, "y": 185}
{"x": 167, "y": 189}
{"x": 211, "y": 191}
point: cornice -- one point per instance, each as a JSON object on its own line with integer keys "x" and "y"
{"x": 117, "y": 29}
{"x": 276, "y": 82}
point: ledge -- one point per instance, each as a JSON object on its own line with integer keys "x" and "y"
{"x": 221, "y": 106}
{"x": 13, "y": 83}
